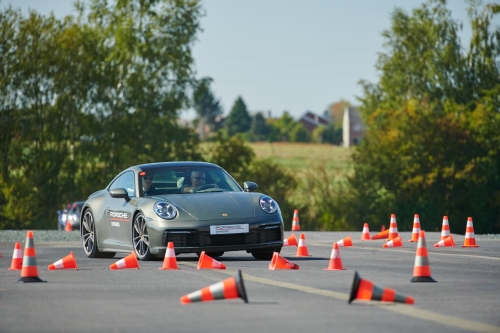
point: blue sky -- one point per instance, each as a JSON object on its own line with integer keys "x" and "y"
{"x": 286, "y": 54}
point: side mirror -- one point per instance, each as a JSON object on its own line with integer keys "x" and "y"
{"x": 249, "y": 186}
{"x": 120, "y": 193}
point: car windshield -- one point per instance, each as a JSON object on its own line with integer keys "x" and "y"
{"x": 186, "y": 180}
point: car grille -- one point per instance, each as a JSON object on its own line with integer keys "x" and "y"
{"x": 197, "y": 238}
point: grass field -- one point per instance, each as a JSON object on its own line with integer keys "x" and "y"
{"x": 303, "y": 156}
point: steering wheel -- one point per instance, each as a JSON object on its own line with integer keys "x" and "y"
{"x": 206, "y": 187}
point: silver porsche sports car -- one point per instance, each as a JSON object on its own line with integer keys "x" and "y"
{"x": 198, "y": 206}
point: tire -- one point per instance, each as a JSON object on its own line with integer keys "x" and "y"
{"x": 89, "y": 238}
{"x": 213, "y": 254}
{"x": 140, "y": 238}
{"x": 263, "y": 255}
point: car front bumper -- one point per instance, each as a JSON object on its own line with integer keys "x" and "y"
{"x": 263, "y": 234}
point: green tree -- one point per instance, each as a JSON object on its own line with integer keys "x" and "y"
{"x": 82, "y": 98}
{"x": 231, "y": 154}
{"x": 259, "y": 129}
{"x": 280, "y": 128}
{"x": 238, "y": 120}
{"x": 207, "y": 107}
{"x": 299, "y": 133}
{"x": 432, "y": 143}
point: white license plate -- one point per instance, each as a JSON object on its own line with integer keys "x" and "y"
{"x": 228, "y": 229}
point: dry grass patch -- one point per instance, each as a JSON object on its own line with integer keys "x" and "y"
{"x": 303, "y": 156}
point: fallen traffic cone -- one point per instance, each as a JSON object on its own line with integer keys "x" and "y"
{"x": 448, "y": 241}
{"x": 470, "y": 239}
{"x": 366, "y": 232}
{"x": 422, "y": 269}
{"x": 68, "y": 227}
{"x": 381, "y": 235}
{"x": 17, "y": 258}
{"x": 29, "y": 271}
{"x": 445, "y": 229}
{"x": 335, "y": 260}
{"x": 278, "y": 262}
{"x": 366, "y": 291}
{"x": 67, "y": 262}
{"x": 207, "y": 262}
{"x": 170, "y": 261}
{"x": 129, "y": 261}
{"x": 416, "y": 229}
{"x": 396, "y": 242}
{"x": 290, "y": 241}
{"x": 302, "y": 248}
{"x": 346, "y": 241}
{"x": 393, "y": 228}
{"x": 226, "y": 289}
{"x": 295, "y": 221}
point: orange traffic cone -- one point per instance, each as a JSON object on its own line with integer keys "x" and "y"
{"x": 68, "y": 227}
{"x": 295, "y": 221}
{"x": 381, "y": 235}
{"x": 445, "y": 229}
{"x": 170, "y": 262}
{"x": 278, "y": 262}
{"x": 29, "y": 271}
{"x": 207, "y": 262}
{"x": 382, "y": 228}
{"x": 17, "y": 258}
{"x": 470, "y": 239}
{"x": 347, "y": 241}
{"x": 393, "y": 228}
{"x": 129, "y": 261}
{"x": 67, "y": 262}
{"x": 290, "y": 241}
{"x": 226, "y": 289}
{"x": 448, "y": 241}
{"x": 365, "y": 290}
{"x": 302, "y": 248}
{"x": 416, "y": 229}
{"x": 366, "y": 232}
{"x": 396, "y": 242}
{"x": 422, "y": 269}
{"x": 335, "y": 261}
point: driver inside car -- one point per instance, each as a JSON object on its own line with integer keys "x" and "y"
{"x": 197, "y": 181}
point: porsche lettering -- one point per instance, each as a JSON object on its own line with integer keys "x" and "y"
{"x": 116, "y": 214}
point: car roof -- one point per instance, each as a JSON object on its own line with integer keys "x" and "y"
{"x": 159, "y": 165}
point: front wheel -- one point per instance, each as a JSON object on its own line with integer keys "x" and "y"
{"x": 140, "y": 238}
{"x": 89, "y": 238}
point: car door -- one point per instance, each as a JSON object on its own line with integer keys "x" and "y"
{"x": 119, "y": 212}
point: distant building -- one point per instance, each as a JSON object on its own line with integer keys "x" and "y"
{"x": 311, "y": 121}
{"x": 353, "y": 128}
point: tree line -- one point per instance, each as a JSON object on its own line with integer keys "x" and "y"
{"x": 256, "y": 127}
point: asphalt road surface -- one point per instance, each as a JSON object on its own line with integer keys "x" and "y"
{"x": 94, "y": 298}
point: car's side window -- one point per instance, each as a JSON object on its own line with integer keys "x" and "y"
{"x": 116, "y": 183}
{"x": 127, "y": 182}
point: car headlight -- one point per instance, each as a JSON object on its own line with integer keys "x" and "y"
{"x": 268, "y": 205}
{"x": 165, "y": 210}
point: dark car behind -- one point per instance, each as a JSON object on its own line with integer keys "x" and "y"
{"x": 74, "y": 213}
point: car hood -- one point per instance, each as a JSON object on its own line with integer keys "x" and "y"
{"x": 216, "y": 206}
